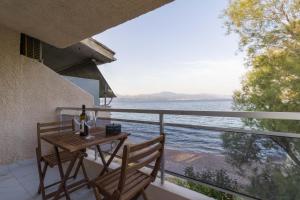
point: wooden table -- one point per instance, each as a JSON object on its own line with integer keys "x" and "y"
{"x": 73, "y": 143}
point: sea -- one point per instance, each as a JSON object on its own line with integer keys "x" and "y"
{"x": 183, "y": 139}
{"x": 203, "y": 150}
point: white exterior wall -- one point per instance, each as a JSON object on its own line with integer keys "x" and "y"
{"x": 29, "y": 93}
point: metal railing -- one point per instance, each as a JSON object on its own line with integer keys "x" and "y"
{"x": 231, "y": 114}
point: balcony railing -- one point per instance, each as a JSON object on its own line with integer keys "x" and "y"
{"x": 162, "y": 124}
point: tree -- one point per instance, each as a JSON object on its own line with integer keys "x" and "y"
{"x": 273, "y": 182}
{"x": 264, "y": 24}
{"x": 273, "y": 84}
{"x": 219, "y": 178}
{"x": 269, "y": 31}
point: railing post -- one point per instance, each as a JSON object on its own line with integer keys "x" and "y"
{"x": 162, "y": 166}
{"x": 96, "y": 114}
{"x": 59, "y": 115}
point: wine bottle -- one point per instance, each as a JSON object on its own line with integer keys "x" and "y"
{"x": 86, "y": 129}
{"x": 82, "y": 122}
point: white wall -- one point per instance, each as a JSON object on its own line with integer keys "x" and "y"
{"x": 29, "y": 92}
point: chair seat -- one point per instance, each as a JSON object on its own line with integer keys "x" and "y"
{"x": 135, "y": 182}
{"x": 64, "y": 156}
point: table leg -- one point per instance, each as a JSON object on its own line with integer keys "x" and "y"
{"x": 85, "y": 174}
{"x": 64, "y": 177}
{"x": 81, "y": 164}
{"x": 101, "y": 155}
{"x": 77, "y": 168}
{"x": 105, "y": 167}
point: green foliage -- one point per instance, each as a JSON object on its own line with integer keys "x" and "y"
{"x": 241, "y": 149}
{"x": 272, "y": 85}
{"x": 270, "y": 32}
{"x": 276, "y": 183}
{"x": 218, "y": 177}
{"x": 264, "y": 24}
{"x": 273, "y": 81}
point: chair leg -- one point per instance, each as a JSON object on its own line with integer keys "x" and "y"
{"x": 115, "y": 196}
{"x": 63, "y": 176}
{"x": 97, "y": 194}
{"x": 41, "y": 185}
{"x": 84, "y": 173}
{"x": 77, "y": 168}
{"x": 43, "y": 177}
{"x": 144, "y": 195}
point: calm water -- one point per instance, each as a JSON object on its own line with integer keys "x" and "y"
{"x": 180, "y": 138}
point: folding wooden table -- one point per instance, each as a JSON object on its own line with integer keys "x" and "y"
{"x": 75, "y": 144}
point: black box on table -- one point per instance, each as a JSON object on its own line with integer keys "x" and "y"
{"x": 113, "y": 129}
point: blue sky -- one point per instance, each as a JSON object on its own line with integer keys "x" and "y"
{"x": 181, "y": 47}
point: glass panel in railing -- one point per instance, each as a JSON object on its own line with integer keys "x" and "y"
{"x": 139, "y": 132}
{"x": 260, "y": 166}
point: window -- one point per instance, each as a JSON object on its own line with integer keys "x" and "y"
{"x": 30, "y": 47}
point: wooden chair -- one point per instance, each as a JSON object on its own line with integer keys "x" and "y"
{"x": 50, "y": 159}
{"x": 128, "y": 181}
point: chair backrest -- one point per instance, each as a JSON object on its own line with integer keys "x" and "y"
{"x": 137, "y": 156}
{"x": 52, "y": 127}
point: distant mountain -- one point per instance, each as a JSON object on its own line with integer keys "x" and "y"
{"x": 169, "y": 96}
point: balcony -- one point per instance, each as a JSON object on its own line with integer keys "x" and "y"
{"x": 239, "y": 161}
{"x": 20, "y": 181}
{"x": 242, "y": 159}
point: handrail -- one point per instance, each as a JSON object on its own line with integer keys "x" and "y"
{"x": 232, "y": 114}
{"x": 129, "y": 120}
{"x": 210, "y": 128}
{"x": 237, "y": 114}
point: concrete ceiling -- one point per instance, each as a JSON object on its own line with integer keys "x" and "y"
{"x": 60, "y": 59}
{"x": 89, "y": 70}
{"x": 64, "y": 22}
{"x": 80, "y": 60}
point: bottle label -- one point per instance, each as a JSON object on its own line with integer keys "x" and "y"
{"x": 82, "y": 126}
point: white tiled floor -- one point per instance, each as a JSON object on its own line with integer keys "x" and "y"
{"x": 19, "y": 181}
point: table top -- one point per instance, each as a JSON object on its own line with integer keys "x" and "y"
{"x": 70, "y": 141}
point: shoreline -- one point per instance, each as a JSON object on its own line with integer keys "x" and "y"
{"x": 177, "y": 161}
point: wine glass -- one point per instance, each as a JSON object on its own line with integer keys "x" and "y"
{"x": 76, "y": 123}
{"x": 91, "y": 120}
{"x": 90, "y": 123}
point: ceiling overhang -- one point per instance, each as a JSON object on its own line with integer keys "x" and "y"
{"x": 80, "y": 60}
{"x": 60, "y": 59}
{"x": 89, "y": 70}
{"x": 63, "y": 23}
